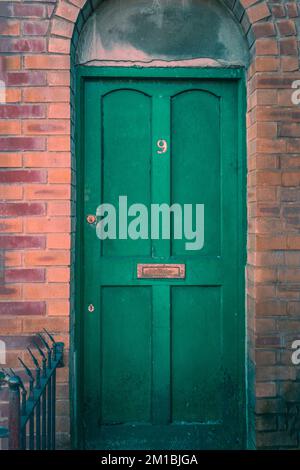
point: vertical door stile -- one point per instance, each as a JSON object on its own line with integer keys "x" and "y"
{"x": 161, "y": 334}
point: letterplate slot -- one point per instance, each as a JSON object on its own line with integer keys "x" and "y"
{"x": 161, "y": 271}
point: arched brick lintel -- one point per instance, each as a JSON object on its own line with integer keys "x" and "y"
{"x": 255, "y": 18}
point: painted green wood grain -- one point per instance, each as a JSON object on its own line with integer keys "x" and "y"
{"x": 164, "y": 352}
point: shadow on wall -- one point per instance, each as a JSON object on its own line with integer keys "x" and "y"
{"x": 145, "y": 31}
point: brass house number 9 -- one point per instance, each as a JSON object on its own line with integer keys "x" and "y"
{"x": 162, "y": 146}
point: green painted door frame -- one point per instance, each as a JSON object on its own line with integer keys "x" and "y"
{"x": 82, "y": 75}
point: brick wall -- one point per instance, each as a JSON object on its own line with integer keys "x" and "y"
{"x": 36, "y": 193}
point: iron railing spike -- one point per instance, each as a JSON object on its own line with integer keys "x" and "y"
{"x": 28, "y": 371}
{"x": 49, "y": 336}
{"x": 34, "y": 359}
{"x": 39, "y": 350}
{"x": 44, "y": 342}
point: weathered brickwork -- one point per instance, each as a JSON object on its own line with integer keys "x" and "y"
{"x": 37, "y": 189}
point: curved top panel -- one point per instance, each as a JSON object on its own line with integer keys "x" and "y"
{"x": 202, "y": 32}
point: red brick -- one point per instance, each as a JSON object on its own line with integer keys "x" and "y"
{"x": 22, "y": 45}
{"x": 9, "y": 326}
{"x": 26, "y": 78}
{"x": 286, "y": 27}
{"x": 21, "y": 209}
{"x": 266, "y": 389}
{"x": 9, "y": 27}
{"x": 289, "y": 129}
{"x": 13, "y": 111}
{"x": 35, "y": 28}
{"x": 22, "y": 143}
{"x": 292, "y": 9}
{"x": 288, "y": 46}
{"x": 60, "y": 27}
{"x": 258, "y": 12}
{"x": 28, "y": 11}
{"x": 67, "y": 11}
{"x": 291, "y": 179}
{"x": 22, "y": 308}
{"x": 21, "y": 242}
{"x": 24, "y": 275}
{"x": 47, "y": 127}
{"x": 264, "y": 30}
{"x": 22, "y": 176}
{"x": 266, "y": 46}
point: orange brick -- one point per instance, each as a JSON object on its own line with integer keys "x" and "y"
{"x": 46, "y": 94}
{"x": 58, "y": 274}
{"x": 43, "y": 61}
{"x": 10, "y": 326}
{"x": 9, "y": 28}
{"x": 8, "y": 127}
{"x": 10, "y": 160}
{"x": 8, "y": 192}
{"x": 11, "y": 292}
{"x": 12, "y": 258}
{"x": 59, "y": 78}
{"x": 267, "y": 64}
{"x": 291, "y": 178}
{"x": 58, "y": 110}
{"x": 58, "y": 241}
{"x": 59, "y": 45}
{"x": 52, "y": 324}
{"x": 13, "y": 95}
{"x": 47, "y": 258}
{"x": 47, "y": 159}
{"x": 59, "y": 144}
{"x": 12, "y": 62}
{"x": 62, "y": 175}
{"x": 47, "y": 224}
{"x": 45, "y": 291}
{"x": 45, "y": 192}
{"x": 11, "y": 225}
{"x": 58, "y": 307}
{"x": 58, "y": 208}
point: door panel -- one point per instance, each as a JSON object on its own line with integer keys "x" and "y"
{"x": 163, "y": 358}
{"x": 126, "y": 132}
{"x": 197, "y": 379}
{"x": 195, "y": 162}
{"x": 125, "y": 354}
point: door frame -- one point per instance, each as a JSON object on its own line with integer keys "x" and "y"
{"x": 80, "y": 74}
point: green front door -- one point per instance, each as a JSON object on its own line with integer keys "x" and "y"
{"x": 162, "y": 358}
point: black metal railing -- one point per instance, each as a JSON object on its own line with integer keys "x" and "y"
{"x": 32, "y": 411}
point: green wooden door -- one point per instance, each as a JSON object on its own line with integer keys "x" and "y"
{"x": 163, "y": 360}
